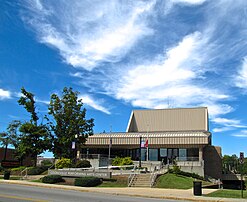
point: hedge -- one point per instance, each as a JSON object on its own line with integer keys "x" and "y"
{"x": 88, "y": 181}
{"x": 187, "y": 174}
{"x": 52, "y": 179}
{"x": 83, "y": 164}
{"x": 37, "y": 170}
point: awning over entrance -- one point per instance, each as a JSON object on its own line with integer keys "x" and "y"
{"x": 155, "y": 140}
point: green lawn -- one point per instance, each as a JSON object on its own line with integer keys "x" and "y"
{"x": 116, "y": 181}
{"x": 172, "y": 181}
{"x": 13, "y": 178}
{"x": 113, "y": 184}
{"x": 227, "y": 193}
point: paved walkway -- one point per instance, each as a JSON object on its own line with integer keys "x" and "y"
{"x": 176, "y": 194}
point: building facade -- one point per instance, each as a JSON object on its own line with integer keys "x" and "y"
{"x": 169, "y": 136}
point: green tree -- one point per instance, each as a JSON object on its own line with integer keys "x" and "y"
{"x": 230, "y": 163}
{"x": 68, "y": 118}
{"x": 35, "y": 138}
{"x": 27, "y": 100}
{"x": 11, "y": 137}
{"x": 245, "y": 166}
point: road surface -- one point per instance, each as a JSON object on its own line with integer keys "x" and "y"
{"x": 20, "y": 193}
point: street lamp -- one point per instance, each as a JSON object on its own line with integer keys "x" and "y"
{"x": 74, "y": 146}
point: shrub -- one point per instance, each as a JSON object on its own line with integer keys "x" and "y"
{"x": 63, "y": 163}
{"x": 187, "y": 174}
{"x": 118, "y": 161}
{"x": 127, "y": 161}
{"x": 88, "y": 181}
{"x": 176, "y": 169}
{"x": 46, "y": 162}
{"x": 37, "y": 170}
{"x": 20, "y": 168}
{"x": 1, "y": 168}
{"x": 83, "y": 164}
{"x": 52, "y": 179}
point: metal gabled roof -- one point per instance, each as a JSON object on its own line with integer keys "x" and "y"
{"x": 176, "y": 119}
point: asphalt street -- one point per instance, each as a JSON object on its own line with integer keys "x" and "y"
{"x": 14, "y": 193}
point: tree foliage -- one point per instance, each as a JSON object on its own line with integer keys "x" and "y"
{"x": 10, "y": 137}
{"x": 68, "y": 118}
{"x": 35, "y": 138}
{"x": 27, "y": 100}
{"x": 231, "y": 164}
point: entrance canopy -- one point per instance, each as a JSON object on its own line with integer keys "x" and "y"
{"x": 155, "y": 140}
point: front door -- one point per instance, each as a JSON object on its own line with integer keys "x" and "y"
{"x": 172, "y": 154}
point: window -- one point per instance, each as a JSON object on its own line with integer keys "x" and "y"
{"x": 153, "y": 154}
{"x": 182, "y": 155}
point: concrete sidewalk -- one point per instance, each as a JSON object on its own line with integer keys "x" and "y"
{"x": 176, "y": 194}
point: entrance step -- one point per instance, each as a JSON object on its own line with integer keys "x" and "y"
{"x": 141, "y": 180}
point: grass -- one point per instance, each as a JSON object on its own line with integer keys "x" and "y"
{"x": 226, "y": 193}
{"x": 113, "y": 184}
{"x": 39, "y": 180}
{"x": 13, "y": 178}
{"x": 172, "y": 181}
{"x": 116, "y": 181}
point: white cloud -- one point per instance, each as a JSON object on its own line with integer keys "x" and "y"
{"x": 193, "y": 2}
{"x": 242, "y": 133}
{"x": 46, "y": 102}
{"x": 95, "y": 104}
{"x": 241, "y": 80}
{"x": 4, "y": 94}
{"x": 90, "y": 32}
{"x": 172, "y": 77}
{"x": 228, "y": 124}
{"x": 216, "y": 109}
{"x": 222, "y": 129}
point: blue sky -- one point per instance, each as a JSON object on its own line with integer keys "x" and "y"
{"x": 124, "y": 55}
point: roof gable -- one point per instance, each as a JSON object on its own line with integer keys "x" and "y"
{"x": 177, "y": 119}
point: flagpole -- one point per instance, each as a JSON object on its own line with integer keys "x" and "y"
{"x": 147, "y": 143}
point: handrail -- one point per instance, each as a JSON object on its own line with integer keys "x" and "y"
{"x": 153, "y": 176}
{"x": 131, "y": 178}
{"x": 25, "y": 170}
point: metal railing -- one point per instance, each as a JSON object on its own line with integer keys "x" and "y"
{"x": 22, "y": 172}
{"x": 187, "y": 158}
{"x": 130, "y": 179}
{"x": 95, "y": 156}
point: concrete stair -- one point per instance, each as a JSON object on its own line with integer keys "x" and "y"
{"x": 141, "y": 180}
